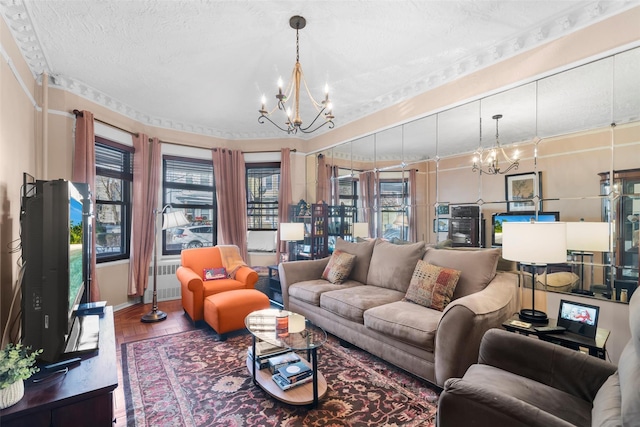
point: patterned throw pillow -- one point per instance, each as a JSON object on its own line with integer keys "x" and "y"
{"x": 215, "y": 273}
{"x": 339, "y": 267}
{"x": 432, "y": 286}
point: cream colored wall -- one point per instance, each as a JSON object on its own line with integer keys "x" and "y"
{"x": 18, "y": 154}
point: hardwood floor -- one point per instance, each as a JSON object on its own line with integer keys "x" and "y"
{"x": 128, "y": 328}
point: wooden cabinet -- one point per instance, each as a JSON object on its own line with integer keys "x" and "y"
{"x": 81, "y": 397}
{"x": 340, "y": 223}
{"x": 316, "y": 230}
{"x": 623, "y": 211}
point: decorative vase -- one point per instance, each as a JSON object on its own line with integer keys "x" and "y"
{"x": 12, "y": 394}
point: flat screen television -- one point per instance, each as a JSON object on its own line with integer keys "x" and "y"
{"x": 498, "y": 218}
{"x": 55, "y": 249}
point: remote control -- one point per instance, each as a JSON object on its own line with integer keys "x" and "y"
{"x": 549, "y": 329}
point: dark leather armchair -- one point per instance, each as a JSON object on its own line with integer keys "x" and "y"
{"x": 522, "y": 381}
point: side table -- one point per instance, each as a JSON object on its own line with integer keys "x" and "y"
{"x": 594, "y": 347}
{"x": 274, "y": 285}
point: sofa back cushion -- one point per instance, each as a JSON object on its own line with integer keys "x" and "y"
{"x": 362, "y": 251}
{"x": 198, "y": 259}
{"x": 392, "y": 265}
{"x": 477, "y": 268}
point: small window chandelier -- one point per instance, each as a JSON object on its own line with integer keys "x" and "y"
{"x": 489, "y": 163}
{"x": 293, "y": 122}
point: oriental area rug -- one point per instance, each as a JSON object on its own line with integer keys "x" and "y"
{"x": 190, "y": 379}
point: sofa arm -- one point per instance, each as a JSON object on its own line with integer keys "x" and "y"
{"x": 464, "y": 322}
{"x": 192, "y": 292}
{"x": 465, "y": 403}
{"x": 299, "y": 271}
{"x": 248, "y": 276}
{"x": 562, "y": 368}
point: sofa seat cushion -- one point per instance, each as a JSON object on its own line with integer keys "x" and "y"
{"x": 353, "y": 302}
{"x": 405, "y": 321}
{"x": 309, "y": 291}
{"x": 558, "y": 403}
{"x": 477, "y": 268}
{"x": 392, "y": 265}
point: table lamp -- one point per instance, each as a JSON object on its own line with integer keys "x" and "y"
{"x": 360, "y": 229}
{"x": 584, "y": 238}
{"x": 535, "y": 244}
{"x": 290, "y": 232}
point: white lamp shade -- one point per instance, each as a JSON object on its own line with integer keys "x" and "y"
{"x": 173, "y": 219}
{"x": 588, "y": 236}
{"x": 291, "y": 231}
{"x": 534, "y": 243}
{"x": 360, "y": 229}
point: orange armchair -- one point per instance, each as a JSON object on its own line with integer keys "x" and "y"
{"x": 195, "y": 289}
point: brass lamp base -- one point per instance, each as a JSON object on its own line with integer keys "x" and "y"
{"x": 154, "y": 316}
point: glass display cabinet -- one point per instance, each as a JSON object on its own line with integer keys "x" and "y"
{"x": 623, "y": 211}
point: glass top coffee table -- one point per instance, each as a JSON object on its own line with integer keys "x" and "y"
{"x": 291, "y": 331}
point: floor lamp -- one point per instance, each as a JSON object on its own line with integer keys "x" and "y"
{"x": 169, "y": 220}
{"x": 583, "y": 239}
{"x": 535, "y": 244}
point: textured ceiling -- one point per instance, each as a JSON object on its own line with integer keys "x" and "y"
{"x": 203, "y": 66}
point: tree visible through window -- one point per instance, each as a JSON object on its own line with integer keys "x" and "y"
{"x": 114, "y": 176}
{"x": 263, "y": 183}
{"x": 393, "y": 200}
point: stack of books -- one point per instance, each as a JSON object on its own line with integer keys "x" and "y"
{"x": 265, "y": 351}
{"x": 292, "y": 374}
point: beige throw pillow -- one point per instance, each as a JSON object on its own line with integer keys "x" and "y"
{"x": 339, "y": 267}
{"x": 432, "y": 286}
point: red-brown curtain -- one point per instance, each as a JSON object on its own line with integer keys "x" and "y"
{"x": 146, "y": 179}
{"x": 84, "y": 170}
{"x": 231, "y": 194}
{"x": 413, "y": 206}
{"x": 368, "y": 191}
{"x": 322, "y": 183}
{"x": 334, "y": 185}
{"x": 284, "y": 196}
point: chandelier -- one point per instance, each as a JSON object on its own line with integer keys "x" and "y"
{"x": 292, "y": 121}
{"x": 489, "y": 163}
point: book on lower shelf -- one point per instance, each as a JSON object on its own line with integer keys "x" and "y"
{"x": 295, "y": 372}
{"x": 285, "y": 385}
{"x": 263, "y": 360}
{"x": 276, "y": 362}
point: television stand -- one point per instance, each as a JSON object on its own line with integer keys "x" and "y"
{"x": 82, "y": 397}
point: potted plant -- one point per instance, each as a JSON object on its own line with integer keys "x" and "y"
{"x": 17, "y": 363}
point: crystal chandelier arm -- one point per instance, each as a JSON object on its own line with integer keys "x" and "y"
{"x": 261, "y": 121}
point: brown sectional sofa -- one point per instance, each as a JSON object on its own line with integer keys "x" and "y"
{"x": 368, "y": 310}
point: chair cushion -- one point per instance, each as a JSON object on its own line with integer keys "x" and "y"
{"x": 392, "y": 265}
{"x": 362, "y": 251}
{"x": 477, "y": 268}
{"x": 432, "y": 286}
{"x": 338, "y": 267}
{"x": 353, "y": 302}
{"x": 406, "y": 322}
{"x": 548, "y": 399}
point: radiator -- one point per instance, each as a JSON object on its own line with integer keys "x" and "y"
{"x": 168, "y": 284}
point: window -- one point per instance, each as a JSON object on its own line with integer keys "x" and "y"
{"x": 114, "y": 176}
{"x": 393, "y": 199}
{"x": 189, "y": 185}
{"x": 348, "y": 191}
{"x": 263, "y": 183}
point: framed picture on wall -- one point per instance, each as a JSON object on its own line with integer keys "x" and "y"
{"x": 520, "y": 190}
{"x": 441, "y": 225}
{"x": 442, "y": 209}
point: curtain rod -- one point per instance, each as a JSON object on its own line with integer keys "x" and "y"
{"x": 182, "y": 144}
{"x": 79, "y": 113}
